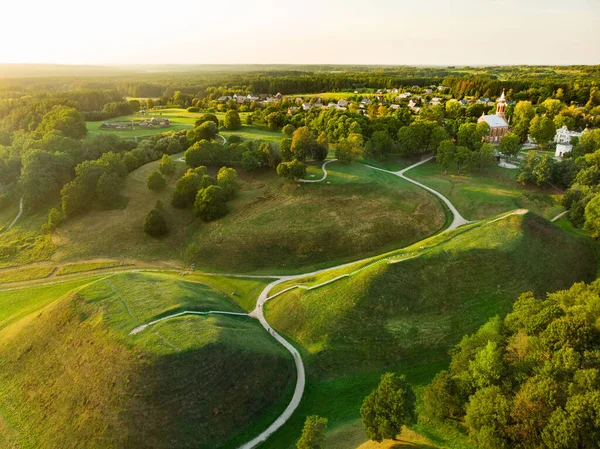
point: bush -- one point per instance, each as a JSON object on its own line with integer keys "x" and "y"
{"x": 210, "y": 203}
{"x": 232, "y": 120}
{"x": 107, "y": 190}
{"x": 235, "y": 139}
{"x": 291, "y": 170}
{"x": 155, "y": 224}
{"x": 193, "y": 109}
{"x": 55, "y": 219}
{"x": 167, "y": 165}
{"x": 156, "y": 182}
{"x": 227, "y": 180}
{"x": 187, "y": 187}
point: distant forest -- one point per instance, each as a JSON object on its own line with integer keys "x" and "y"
{"x": 526, "y": 82}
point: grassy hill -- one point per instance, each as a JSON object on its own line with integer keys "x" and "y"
{"x": 406, "y": 316}
{"x": 72, "y": 376}
{"x": 481, "y": 195}
{"x": 272, "y": 225}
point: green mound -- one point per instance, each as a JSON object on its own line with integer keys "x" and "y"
{"x": 271, "y": 225}
{"x": 406, "y": 316}
{"x": 72, "y": 376}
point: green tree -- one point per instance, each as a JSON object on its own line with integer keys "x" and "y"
{"x": 155, "y": 181}
{"x": 380, "y": 144}
{"x": 232, "y": 120}
{"x": 250, "y": 161}
{"x": 187, "y": 187}
{"x": 210, "y": 203}
{"x": 445, "y": 154}
{"x": 228, "y": 180}
{"x": 291, "y": 170}
{"x": 303, "y": 143}
{"x": 288, "y": 130}
{"x": 349, "y": 148}
{"x": 155, "y": 224}
{"x": 388, "y": 408}
{"x": 68, "y": 121}
{"x": 285, "y": 149}
{"x": 107, "y": 190}
{"x": 420, "y": 137}
{"x": 313, "y": 433}
{"x": 167, "y": 165}
{"x": 542, "y": 130}
{"x": 55, "y": 219}
{"x": 206, "y": 118}
{"x": 592, "y": 216}
{"x": 487, "y": 417}
{"x": 206, "y": 131}
{"x": 462, "y": 158}
{"x": 510, "y": 145}
{"x": 485, "y": 157}
{"x": 442, "y": 397}
{"x": 522, "y": 118}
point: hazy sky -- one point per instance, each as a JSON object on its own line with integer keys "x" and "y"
{"x": 443, "y": 32}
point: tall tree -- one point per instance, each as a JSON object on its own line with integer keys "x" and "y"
{"x": 388, "y": 408}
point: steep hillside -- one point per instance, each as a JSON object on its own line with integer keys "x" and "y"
{"x": 406, "y": 316}
{"x": 71, "y": 375}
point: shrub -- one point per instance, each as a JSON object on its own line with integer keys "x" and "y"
{"x": 155, "y": 181}
{"x": 210, "y": 203}
{"x": 55, "y": 219}
{"x": 232, "y": 120}
{"x": 228, "y": 181}
{"x": 155, "y": 224}
{"x": 193, "y": 109}
{"x": 167, "y": 165}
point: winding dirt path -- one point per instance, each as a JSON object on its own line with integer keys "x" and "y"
{"x": 324, "y": 177}
{"x": 457, "y": 221}
{"x": 258, "y": 312}
{"x": 17, "y": 217}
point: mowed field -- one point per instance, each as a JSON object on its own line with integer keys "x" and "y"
{"x": 405, "y": 316}
{"x": 482, "y": 195}
{"x": 189, "y": 382}
{"x": 272, "y": 226}
{"x": 182, "y": 119}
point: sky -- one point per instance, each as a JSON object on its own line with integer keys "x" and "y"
{"x": 394, "y": 32}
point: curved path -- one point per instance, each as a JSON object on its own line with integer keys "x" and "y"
{"x": 324, "y": 177}
{"x": 258, "y": 312}
{"x": 139, "y": 329}
{"x": 559, "y": 216}
{"x": 17, "y": 217}
{"x": 457, "y": 221}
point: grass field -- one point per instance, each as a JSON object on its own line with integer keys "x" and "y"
{"x": 272, "y": 225}
{"x": 193, "y": 381}
{"x": 479, "y": 196}
{"x": 404, "y": 317}
{"x": 182, "y": 119}
{"x": 80, "y": 267}
{"x": 25, "y": 273}
{"x": 24, "y": 243}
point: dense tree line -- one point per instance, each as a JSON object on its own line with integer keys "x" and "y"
{"x": 531, "y": 379}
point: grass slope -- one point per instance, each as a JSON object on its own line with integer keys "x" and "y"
{"x": 479, "y": 196}
{"x": 406, "y": 316}
{"x": 272, "y": 225}
{"x": 72, "y": 376}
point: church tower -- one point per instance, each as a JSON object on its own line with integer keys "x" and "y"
{"x": 501, "y": 106}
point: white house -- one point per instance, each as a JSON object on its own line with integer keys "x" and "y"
{"x": 343, "y": 102}
{"x": 563, "y": 140}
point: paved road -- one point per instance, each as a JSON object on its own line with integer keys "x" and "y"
{"x": 18, "y": 215}
{"x": 324, "y": 177}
